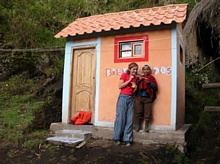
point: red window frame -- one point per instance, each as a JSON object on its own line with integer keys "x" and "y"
{"x": 117, "y": 59}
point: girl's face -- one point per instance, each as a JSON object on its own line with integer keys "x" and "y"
{"x": 133, "y": 71}
{"x": 146, "y": 70}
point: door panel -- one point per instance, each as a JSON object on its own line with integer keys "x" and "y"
{"x": 83, "y": 81}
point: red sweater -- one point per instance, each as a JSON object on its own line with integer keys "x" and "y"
{"x": 149, "y": 85}
{"x": 127, "y": 90}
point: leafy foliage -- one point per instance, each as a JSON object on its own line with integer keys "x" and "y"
{"x": 204, "y": 125}
{"x": 196, "y": 97}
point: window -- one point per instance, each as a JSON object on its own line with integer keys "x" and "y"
{"x": 128, "y": 49}
{"x": 131, "y": 49}
{"x": 181, "y": 54}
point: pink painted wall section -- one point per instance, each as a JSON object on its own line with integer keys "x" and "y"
{"x": 159, "y": 60}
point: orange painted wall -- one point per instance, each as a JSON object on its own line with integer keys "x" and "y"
{"x": 159, "y": 56}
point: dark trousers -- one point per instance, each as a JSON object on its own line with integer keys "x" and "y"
{"x": 144, "y": 107}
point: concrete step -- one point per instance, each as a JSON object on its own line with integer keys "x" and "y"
{"x": 73, "y": 134}
{"x": 65, "y": 141}
{"x": 69, "y": 137}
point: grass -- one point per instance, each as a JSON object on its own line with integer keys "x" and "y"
{"x": 16, "y": 112}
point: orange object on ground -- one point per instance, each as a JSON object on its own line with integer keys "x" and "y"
{"x": 81, "y": 118}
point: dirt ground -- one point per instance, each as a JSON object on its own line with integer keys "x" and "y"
{"x": 95, "y": 151}
{"x": 99, "y": 151}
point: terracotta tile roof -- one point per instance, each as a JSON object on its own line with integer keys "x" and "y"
{"x": 126, "y": 19}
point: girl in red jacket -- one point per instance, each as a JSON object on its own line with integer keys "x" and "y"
{"x": 146, "y": 94}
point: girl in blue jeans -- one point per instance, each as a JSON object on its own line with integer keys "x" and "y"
{"x": 123, "y": 125}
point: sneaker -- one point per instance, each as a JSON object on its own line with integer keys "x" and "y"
{"x": 128, "y": 144}
{"x": 117, "y": 142}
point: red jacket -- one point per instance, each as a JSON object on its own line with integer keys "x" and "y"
{"x": 149, "y": 85}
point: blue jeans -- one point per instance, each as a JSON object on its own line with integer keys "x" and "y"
{"x": 123, "y": 126}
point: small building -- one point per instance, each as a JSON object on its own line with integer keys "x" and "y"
{"x": 99, "y": 49}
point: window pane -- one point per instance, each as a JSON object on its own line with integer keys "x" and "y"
{"x": 126, "y": 54}
{"x": 137, "y": 49}
{"x": 126, "y": 46}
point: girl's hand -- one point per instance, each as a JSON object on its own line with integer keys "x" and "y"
{"x": 147, "y": 80}
{"x": 142, "y": 78}
{"x": 131, "y": 77}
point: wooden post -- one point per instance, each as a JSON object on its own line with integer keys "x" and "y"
{"x": 212, "y": 109}
{"x": 211, "y": 85}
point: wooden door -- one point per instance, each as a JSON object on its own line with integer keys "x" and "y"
{"x": 83, "y": 81}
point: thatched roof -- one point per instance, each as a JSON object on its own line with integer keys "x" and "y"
{"x": 202, "y": 33}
